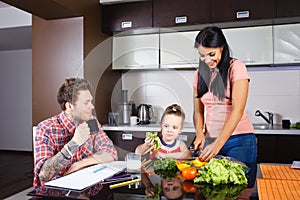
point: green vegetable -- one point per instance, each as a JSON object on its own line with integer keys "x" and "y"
{"x": 166, "y": 168}
{"x": 155, "y": 138}
{"x": 221, "y": 171}
{"x": 221, "y": 192}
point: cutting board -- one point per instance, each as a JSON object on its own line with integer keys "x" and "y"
{"x": 279, "y": 172}
{"x": 277, "y": 189}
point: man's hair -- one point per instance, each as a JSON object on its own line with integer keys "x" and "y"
{"x": 69, "y": 91}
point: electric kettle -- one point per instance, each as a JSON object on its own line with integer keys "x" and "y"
{"x": 144, "y": 113}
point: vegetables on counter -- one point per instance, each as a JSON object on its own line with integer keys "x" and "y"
{"x": 215, "y": 172}
{"x": 221, "y": 171}
{"x": 166, "y": 168}
{"x": 221, "y": 192}
{"x": 189, "y": 173}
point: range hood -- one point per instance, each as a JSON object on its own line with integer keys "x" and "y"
{"x": 107, "y": 2}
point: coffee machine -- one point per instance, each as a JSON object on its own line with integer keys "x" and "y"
{"x": 124, "y": 108}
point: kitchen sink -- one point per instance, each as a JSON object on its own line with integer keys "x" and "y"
{"x": 267, "y": 127}
{"x": 262, "y": 126}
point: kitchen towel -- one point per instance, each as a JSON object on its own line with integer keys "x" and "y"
{"x": 283, "y": 172}
{"x": 276, "y": 189}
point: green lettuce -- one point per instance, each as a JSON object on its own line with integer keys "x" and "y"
{"x": 221, "y": 171}
{"x": 155, "y": 138}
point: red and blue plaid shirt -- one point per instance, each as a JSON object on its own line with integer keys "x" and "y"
{"x": 51, "y": 136}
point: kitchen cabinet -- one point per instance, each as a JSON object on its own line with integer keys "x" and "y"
{"x": 126, "y": 16}
{"x": 170, "y": 13}
{"x": 136, "y": 52}
{"x": 236, "y": 10}
{"x": 252, "y": 45}
{"x": 288, "y": 8}
{"x": 177, "y": 50}
{"x": 278, "y": 148}
{"x": 127, "y": 141}
{"x": 287, "y": 43}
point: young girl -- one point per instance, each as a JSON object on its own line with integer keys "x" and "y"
{"x": 171, "y": 126}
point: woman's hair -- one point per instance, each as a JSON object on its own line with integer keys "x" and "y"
{"x": 69, "y": 91}
{"x": 213, "y": 37}
{"x": 174, "y": 109}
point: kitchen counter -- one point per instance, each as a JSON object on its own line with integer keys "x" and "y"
{"x": 189, "y": 128}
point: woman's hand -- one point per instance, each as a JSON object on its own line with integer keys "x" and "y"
{"x": 199, "y": 141}
{"x": 210, "y": 151}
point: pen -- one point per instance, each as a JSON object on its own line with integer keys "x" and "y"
{"x": 124, "y": 183}
{"x": 118, "y": 177}
{"x": 145, "y": 163}
{"x": 101, "y": 168}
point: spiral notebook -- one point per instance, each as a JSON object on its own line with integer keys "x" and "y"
{"x": 87, "y": 177}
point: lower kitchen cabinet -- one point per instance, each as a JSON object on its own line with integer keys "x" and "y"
{"x": 127, "y": 141}
{"x": 278, "y": 148}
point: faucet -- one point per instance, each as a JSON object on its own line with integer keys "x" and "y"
{"x": 269, "y": 120}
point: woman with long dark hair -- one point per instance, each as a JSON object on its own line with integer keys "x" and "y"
{"x": 220, "y": 95}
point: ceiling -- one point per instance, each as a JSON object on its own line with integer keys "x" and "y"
{"x": 15, "y": 38}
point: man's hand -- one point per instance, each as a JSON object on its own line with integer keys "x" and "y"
{"x": 74, "y": 167}
{"x": 82, "y": 133}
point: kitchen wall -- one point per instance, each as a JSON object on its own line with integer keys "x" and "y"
{"x": 276, "y": 91}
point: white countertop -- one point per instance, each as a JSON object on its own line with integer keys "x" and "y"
{"x": 189, "y": 128}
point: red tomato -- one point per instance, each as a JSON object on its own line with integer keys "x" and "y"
{"x": 189, "y": 186}
{"x": 189, "y": 173}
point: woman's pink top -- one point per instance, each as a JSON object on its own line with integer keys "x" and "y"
{"x": 217, "y": 112}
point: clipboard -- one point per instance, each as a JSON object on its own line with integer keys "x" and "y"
{"x": 82, "y": 179}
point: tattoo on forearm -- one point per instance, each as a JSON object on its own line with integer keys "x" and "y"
{"x": 73, "y": 146}
{"x": 54, "y": 165}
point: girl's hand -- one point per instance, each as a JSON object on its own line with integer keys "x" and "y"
{"x": 149, "y": 142}
{"x": 160, "y": 155}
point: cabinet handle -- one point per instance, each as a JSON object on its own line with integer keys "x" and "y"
{"x": 181, "y": 20}
{"x": 126, "y": 136}
{"x": 242, "y": 14}
{"x": 249, "y": 61}
{"x": 127, "y": 24}
{"x": 133, "y": 66}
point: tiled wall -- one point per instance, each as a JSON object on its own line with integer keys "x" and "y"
{"x": 274, "y": 91}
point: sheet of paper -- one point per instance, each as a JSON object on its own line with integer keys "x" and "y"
{"x": 88, "y": 176}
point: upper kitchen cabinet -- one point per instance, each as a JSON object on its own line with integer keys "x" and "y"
{"x": 136, "y": 52}
{"x": 288, "y": 8}
{"x": 170, "y": 13}
{"x": 126, "y": 16}
{"x": 252, "y": 45}
{"x": 237, "y": 10}
{"x": 287, "y": 43}
{"x": 177, "y": 50}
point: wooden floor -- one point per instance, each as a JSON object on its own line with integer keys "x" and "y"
{"x": 15, "y": 171}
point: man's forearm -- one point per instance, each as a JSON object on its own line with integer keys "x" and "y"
{"x": 103, "y": 157}
{"x": 54, "y": 165}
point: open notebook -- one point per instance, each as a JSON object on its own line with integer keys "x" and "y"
{"x": 89, "y": 176}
